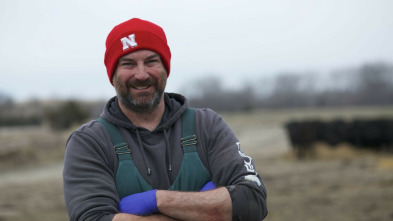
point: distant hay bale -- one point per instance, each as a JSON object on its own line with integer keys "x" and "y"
{"x": 323, "y": 151}
{"x": 385, "y": 163}
{"x": 340, "y": 151}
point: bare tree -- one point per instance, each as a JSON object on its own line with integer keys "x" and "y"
{"x": 374, "y": 84}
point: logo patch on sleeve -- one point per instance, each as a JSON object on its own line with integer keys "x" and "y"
{"x": 249, "y": 166}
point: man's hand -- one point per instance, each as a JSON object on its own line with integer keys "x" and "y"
{"x": 208, "y": 186}
{"x": 141, "y": 204}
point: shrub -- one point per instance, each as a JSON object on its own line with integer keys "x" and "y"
{"x": 65, "y": 115}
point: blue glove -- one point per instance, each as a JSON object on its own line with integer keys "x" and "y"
{"x": 141, "y": 204}
{"x": 208, "y": 186}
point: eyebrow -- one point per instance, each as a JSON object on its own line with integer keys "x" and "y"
{"x": 153, "y": 56}
{"x": 147, "y": 58}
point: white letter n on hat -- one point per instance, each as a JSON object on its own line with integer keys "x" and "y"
{"x": 128, "y": 42}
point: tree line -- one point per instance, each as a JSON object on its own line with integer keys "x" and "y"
{"x": 58, "y": 115}
{"x": 369, "y": 84}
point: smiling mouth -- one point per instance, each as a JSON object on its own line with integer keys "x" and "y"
{"x": 142, "y": 87}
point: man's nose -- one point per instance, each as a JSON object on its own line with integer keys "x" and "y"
{"x": 141, "y": 72}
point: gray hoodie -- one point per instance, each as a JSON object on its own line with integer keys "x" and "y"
{"x": 90, "y": 161}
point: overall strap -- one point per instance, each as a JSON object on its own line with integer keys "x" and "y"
{"x": 118, "y": 142}
{"x": 189, "y": 139}
{"x": 192, "y": 175}
{"x": 128, "y": 180}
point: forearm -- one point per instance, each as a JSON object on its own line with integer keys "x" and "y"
{"x": 129, "y": 217}
{"x": 210, "y": 205}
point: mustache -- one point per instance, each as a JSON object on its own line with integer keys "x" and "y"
{"x": 139, "y": 83}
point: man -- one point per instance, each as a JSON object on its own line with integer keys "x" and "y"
{"x": 151, "y": 157}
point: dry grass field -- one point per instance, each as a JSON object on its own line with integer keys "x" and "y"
{"x": 331, "y": 184}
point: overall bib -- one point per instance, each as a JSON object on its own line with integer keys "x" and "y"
{"x": 192, "y": 174}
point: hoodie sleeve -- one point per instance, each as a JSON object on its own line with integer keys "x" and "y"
{"x": 232, "y": 168}
{"x": 88, "y": 180}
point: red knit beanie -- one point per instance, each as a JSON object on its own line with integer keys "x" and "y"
{"x": 135, "y": 34}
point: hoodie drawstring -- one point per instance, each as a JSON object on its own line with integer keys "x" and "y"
{"x": 167, "y": 150}
{"x": 143, "y": 151}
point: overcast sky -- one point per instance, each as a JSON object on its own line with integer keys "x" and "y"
{"x": 55, "y": 49}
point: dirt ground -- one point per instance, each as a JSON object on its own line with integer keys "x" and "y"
{"x": 332, "y": 184}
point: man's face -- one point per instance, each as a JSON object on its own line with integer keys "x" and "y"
{"x": 140, "y": 80}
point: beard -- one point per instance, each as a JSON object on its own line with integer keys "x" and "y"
{"x": 141, "y": 102}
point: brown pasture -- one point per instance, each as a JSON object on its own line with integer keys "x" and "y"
{"x": 340, "y": 183}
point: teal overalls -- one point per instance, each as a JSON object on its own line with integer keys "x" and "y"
{"x": 192, "y": 174}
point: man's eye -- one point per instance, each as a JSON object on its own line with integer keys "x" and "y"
{"x": 152, "y": 61}
{"x": 126, "y": 64}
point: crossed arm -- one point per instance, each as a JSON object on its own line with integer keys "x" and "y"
{"x": 174, "y": 205}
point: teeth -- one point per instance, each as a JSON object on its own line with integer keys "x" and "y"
{"x": 141, "y": 87}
